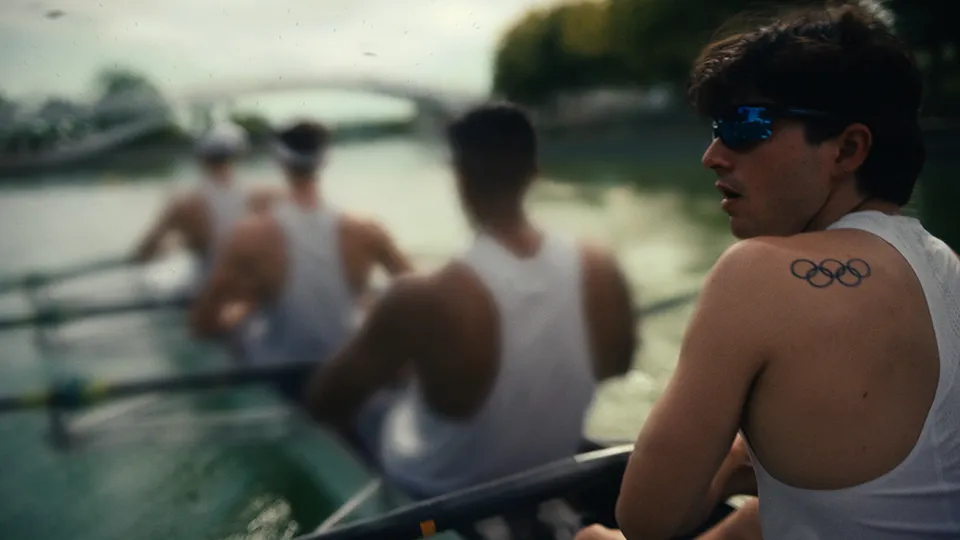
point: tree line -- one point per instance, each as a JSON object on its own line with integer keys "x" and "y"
{"x": 586, "y": 44}
{"x": 125, "y": 96}
{"x": 121, "y": 96}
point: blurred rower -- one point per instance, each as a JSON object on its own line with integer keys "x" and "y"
{"x": 202, "y": 217}
{"x": 304, "y": 265}
{"x": 506, "y": 343}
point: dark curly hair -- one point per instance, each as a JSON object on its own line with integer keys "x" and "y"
{"x": 844, "y": 60}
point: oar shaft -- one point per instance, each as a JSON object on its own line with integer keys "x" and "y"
{"x": 78, "y": 393}
{"x": 53, "y": 316}
{"x": 34, "y": 280}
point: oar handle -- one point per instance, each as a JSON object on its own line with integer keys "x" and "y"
{"x": 463, "y": 508}
{"x": 77, "y": 393}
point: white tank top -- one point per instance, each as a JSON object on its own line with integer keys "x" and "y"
{"x": 226, "y": 205}
{"x": 536, "y": 410}
{"x": 314, "y": 312}
{"x": 920, "y": 498}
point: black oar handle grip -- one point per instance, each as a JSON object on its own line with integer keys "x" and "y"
{"x": 463, "y": 508}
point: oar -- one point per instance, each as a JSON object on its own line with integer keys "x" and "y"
{"x": 51, "y": 316}
{"x": 466, "y": 507}
{"x": 34, "y": 280}
{"x": 78, "y": 393}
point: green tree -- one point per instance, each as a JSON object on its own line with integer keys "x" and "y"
{"x": 658, "y": 40}
{"x": 518, "y": 71}
{"x": 8, "y": 107}
{"x": 125, "y": 95}
{"x": 258, "y": 127}
{"x": 551, "y": 50}
{"x": 930, "y": 27}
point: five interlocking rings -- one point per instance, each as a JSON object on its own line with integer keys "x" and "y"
{"x": 848, "y": 274}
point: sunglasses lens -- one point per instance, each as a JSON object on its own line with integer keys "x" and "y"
{"x": 744, "y": 129}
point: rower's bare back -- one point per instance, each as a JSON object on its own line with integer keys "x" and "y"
{"x": 851, "y": 371}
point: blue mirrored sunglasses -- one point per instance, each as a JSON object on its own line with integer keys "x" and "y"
{"x": 746, "y": 126}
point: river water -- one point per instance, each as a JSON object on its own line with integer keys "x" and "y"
{"x": 660, "y": 216}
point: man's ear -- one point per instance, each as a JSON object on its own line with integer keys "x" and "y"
{"x": 853, "y": 147}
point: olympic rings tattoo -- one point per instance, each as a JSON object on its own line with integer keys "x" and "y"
{"x": 824, "y": 274}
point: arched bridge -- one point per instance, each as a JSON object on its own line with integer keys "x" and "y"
{"x": 423, "y": 97}
{"x": 433, "y": 106}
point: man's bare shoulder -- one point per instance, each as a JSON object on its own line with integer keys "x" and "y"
{"x": 438, "y": 292}
{"x": 758, "y": 278}
{"x": 366, "y": 226}
{"x": 752, "y": 277}
{"x": 185, "y": 203}
{"x": 410, "y": 300}
{"x": 255, "y": 231}
{"x": 825, "y": 259}
{"x": 598, "y": 258}
{"x": 262, "y": 198}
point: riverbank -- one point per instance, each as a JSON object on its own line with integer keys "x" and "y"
{"x": 163, "y": 148}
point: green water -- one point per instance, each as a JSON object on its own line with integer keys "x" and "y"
{"x": 659, "y": 213}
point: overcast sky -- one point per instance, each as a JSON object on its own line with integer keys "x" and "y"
{"x": 184, "y": 44}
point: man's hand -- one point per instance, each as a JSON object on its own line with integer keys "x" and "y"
{"x": 233, "y": 313}
{"x": 741, "y": 479}
{"x": 599, "y": 532}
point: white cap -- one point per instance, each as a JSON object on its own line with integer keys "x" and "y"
{"x": 223, "y": 140}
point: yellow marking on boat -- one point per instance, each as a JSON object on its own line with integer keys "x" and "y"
{"x": 96, "y": 390}
{"x": 428, "y": 528}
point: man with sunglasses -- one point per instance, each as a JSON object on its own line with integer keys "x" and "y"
{"x": 829, "y": 337}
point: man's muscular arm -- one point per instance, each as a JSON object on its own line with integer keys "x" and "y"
{"x": 152, "y": 243}
{"x": 239, "y": 280}
{"x": 690, "y": 430}
{"x": 389, "y": 255}
{"x": 614, "y": 324}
